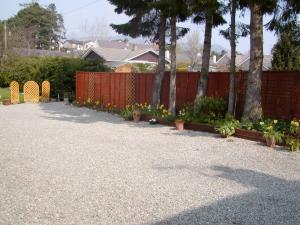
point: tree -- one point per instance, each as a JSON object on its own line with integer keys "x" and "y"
{"x": 253, "y": 108}
{"x": 210, "y": 12}
{"x": 174, "y": 11}
{"x": 232, "y": 34}
{"x": 286, "y": 52}
{"x": 147, "y": 21}
{"x": 43, "y": 26}
{"x": 192, "y": 48}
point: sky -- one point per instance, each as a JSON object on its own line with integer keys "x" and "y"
{"x": 76, "y": 13}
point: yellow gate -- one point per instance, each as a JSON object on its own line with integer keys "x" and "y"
{"x": 14, "y": 92}
{"x": 46, "y": 90}
{"x": 31, "y": 92}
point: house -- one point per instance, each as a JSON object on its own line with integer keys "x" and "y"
{"x": 187, "y": 63}
{"x": 242, "y": 62}
{"x": 27, "y": 52}
{"x": 115, "y": 53}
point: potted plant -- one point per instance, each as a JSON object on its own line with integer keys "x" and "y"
{"x": 272, "y": 136}
{"x": 180, "y": 120}
{"x": 227, "y": 127}
{"x": 6, "y": 102}
{"x": 293, "y": 143}
{"x": 136, "y": 114}
{"x": 127, "y": 113}
{"x": 179, "y": 124}
{"x": 66, "y": 97}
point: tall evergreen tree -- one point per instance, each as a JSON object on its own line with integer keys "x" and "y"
{"x": 209, "y": 12}
{"x": 42, "y": 26}
{"x": 147, "y": 21}
{"x": 286, "y": 52}
{"x": 258, "y": 8}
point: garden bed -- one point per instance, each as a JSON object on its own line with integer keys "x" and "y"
{"x": 239, "y": 133}
{"x": 249, "y": 135}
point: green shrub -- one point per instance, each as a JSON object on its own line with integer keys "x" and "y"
{"x": 227, "y": 126}
{"x": 209, "y": 109}
{"x": 59, "y": 71}
{"x": 292, "y": 143}
{"x": 127, "y": 113}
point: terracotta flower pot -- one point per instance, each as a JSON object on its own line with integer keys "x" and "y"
{"x": 270, "y": 141}
{"x": 6, "y": 102}
{"x": 136, "y": 114}
{"x": 179, "y": 125}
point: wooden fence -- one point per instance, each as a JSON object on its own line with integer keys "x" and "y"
{"x": 280, "y": 90}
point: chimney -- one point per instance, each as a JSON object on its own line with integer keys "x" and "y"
{"x": 167, "y": 54}
{"x": 134, "y": 47}
{"x": 214, "y": 59}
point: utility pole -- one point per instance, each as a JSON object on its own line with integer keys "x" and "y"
{"x": 5, "y": 41}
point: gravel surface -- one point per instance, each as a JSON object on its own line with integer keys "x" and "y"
{"x": 65, "y": 165}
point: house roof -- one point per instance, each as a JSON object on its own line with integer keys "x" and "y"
{"x": 242, "y": 61}
{"x": 23, "y": 52}
{"x": 121, "y": 45}
{"x": 117, "y": 54}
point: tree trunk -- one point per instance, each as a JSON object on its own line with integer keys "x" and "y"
{"x": 161, "y": 63}
{"x": 253, "y": 108}
{"x": 202, "y": 84}
{"x": 231, "y": 97}
{"x": 172, "y": 94}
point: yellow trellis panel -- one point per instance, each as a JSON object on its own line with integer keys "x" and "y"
{"x": 14, "y": 92}
{"x": 31, "y": 92}
{"x": 46, "y": 90}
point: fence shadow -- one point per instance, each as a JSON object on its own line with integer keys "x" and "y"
{"x": 272, "y": 201}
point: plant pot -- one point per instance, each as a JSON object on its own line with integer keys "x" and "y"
{"x": 6, "y": 102}
{"x": 179, "y": 125}
{"x": 270, "y": 141}
{"x": 136, "y": 114}
{"x": 66, "y": 100}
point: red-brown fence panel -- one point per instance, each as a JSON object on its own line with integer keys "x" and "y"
{"x": 280, "y": 90}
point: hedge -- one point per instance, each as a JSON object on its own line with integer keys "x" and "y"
{"x": 59, "y": 71}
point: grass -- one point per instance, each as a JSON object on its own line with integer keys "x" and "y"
{"x": 5, "y": 94}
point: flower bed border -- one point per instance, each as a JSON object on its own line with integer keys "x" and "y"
{"x": 239, "y": 133}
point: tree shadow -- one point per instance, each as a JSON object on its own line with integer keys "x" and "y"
{"x": 272, "y": 201}
{"x": 58, "y": 111}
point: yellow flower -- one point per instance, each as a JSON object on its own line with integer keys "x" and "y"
{"x": 261, "y": 123}
{"x": 97, "y": 102}
{"x": 88, "y": 100}
{"x": 275, "y": 121}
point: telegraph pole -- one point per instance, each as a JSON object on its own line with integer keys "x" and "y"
{"x": 5, "y": 41}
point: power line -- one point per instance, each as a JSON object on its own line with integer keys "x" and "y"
{"x": 81, "y": 7}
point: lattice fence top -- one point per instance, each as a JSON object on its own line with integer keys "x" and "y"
{"x": 14, "y": 92}
{"x": 46, "y": 90}
{"x": 31, "y": 92}
{"x": 91, "y": 87}
{"x": 131, "y": 89}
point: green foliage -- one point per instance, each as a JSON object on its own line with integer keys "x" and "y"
{"x": 144, "y": 67}
{"x": 42, "y": 23}
{"x": 209, "y": 109}
{"x": 271, "y": 132}
{"x": 286, "y": 52}
{"x": 60, "y": 72}
{"x": 126, "y": 113}
{"x": 292, "y": 143}
{"x": 227, "y": 126}
{"x": 4, "y": 94}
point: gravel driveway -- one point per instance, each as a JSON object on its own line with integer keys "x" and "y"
{"x": 65, "y": 165}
